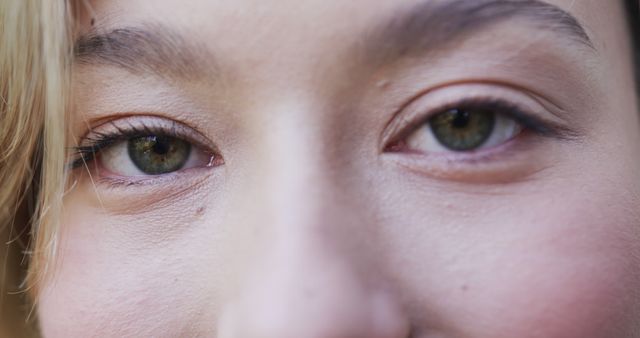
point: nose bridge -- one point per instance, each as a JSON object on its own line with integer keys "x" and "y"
{"x": 305, "y": 209}
{"x": 309, "y": 279}
{"x": 299, "y": 177}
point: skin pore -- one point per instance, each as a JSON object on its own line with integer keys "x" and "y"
{"x": 315, "y": 200}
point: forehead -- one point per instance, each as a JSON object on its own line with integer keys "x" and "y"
{"x": 283, "y": 36}
{"x": 264, "y": 47}
{"x": 254, "y": 22}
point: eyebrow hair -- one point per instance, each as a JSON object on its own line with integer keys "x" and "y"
{"x": 424, "y": 26}
{"x": 147, "y": 49}
{"x": 431, "y": 24}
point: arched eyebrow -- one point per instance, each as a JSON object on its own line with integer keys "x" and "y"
{"x": 149, "y": 49}
{"x": 428, "y": 25}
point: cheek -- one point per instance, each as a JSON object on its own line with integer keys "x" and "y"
{"x": 539, "y": 267}
{"x": 105, "y": 284}
{"x": 580, "y": 282}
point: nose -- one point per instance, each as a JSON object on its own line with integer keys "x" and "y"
{"x": 302, "y": 290}
{"x": 313, "y": 274}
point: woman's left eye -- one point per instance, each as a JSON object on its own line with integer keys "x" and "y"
{"x": 462, "y": 130}
{"x": 152, "y": 155}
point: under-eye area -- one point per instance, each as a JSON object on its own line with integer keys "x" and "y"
{"x": 143, "y": 148}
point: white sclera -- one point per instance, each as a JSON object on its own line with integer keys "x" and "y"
{"x": 424, "y": 140}
{"x": 116, "y": 160}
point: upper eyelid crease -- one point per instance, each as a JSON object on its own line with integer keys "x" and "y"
{"x": 407, "y": 122}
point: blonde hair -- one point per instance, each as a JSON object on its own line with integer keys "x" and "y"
{"x": 35, "y": 52}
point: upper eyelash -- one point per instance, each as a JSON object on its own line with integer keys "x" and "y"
{"x": 527, "y": 120}
{"x": 86, "y": 153}
{"x": 514, "y": 111}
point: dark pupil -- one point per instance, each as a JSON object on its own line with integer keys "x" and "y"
{"x": 463, "y": 129}
{"x": 460, "y": 119}
{"x": 161, "y": 146}
{"x": 156, "y": 155}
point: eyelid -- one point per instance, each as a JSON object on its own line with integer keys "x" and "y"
{"x": 123, "y": 128}
{"x": 516, "y": 104}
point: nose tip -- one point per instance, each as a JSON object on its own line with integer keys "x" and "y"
{"x": 315, "y": 316}
{"x": 313, "y": 299}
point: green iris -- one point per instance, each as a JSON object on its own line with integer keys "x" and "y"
{"x": 463, "y": 130}
{"x": 155, "y": 155}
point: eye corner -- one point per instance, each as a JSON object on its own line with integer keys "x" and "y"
{"x": 397, "y": 145}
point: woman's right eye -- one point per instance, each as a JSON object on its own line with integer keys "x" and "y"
{"x": 152, "y": 155}
{"x": 143, "y": 145}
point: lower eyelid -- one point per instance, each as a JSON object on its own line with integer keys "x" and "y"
{"x": 132, "y": 195}
{"x": 509, "y": 162}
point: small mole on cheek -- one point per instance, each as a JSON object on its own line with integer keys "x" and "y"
{"x": 93, "y": 21}
{"x": 464, "y": 287}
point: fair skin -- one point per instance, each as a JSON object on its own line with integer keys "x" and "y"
{"x": 325, "y": 211}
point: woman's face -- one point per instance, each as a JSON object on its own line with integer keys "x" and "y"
{"x": 363, "y": 168}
